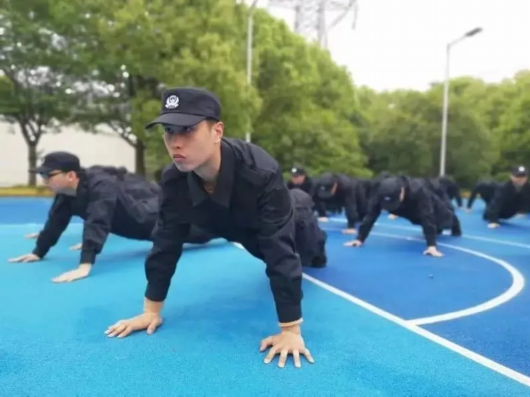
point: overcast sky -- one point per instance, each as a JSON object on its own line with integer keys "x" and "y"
{"x": 401, "y": 43}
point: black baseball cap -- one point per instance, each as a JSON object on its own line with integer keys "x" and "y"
{"x": 187, "y": 106}
{"x": 389, "y": 193}
{"x": 58, "y": 161}
{"x": 297, "y": 171}
{"x": 325, "y": 185}
{"x": 519, "y": 171}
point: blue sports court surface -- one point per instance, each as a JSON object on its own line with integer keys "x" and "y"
{"x": 380, "y": 320}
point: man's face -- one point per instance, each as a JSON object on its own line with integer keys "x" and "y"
{"x": 59, "y": 181}
{"x": 298, "y": 179}
{"x": 519, "y": 181}
{"x": 192, "y": 147}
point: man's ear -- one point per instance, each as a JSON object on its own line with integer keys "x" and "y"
{"x": 218, "y": 130}
{"x": 71, "y": 175}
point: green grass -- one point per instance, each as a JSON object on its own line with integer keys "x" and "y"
{"x": 25, "y": 191}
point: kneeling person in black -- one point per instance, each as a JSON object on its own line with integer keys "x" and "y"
{"x": 411, "y": 199}
{"x": 236, "y": 191}
{"x": 105, "y": 203}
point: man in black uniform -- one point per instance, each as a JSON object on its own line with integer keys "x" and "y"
{"x": 343, "y": 192}
{"x": 452, "y": 189}
{"x": 300, "y": 180}
{"x": 509, "y": 199}
{"x": 106, "y": 204}
{"x": 370, "y": 185}
{"x": 411, "y": 199}
{"x": 233, "y": 189}
{"x": 484, "y": 189}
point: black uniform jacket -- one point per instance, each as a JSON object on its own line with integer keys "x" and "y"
{"x": 251, "y": 205}
{"x": 507, "y": 201}
{"x": 107, "y": 205}
{"x": 418, "y": 207}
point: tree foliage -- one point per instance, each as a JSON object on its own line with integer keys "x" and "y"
{"x": 103, "y": 64}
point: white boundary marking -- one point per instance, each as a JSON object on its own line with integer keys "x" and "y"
{"x": 518, "y": 283}
{"x": 466, "y": 236}
{"x": 484, "y": 361}
{"x": 470, "y": 237}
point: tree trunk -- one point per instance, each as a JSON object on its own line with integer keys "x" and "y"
{"x": 32, "y": 162}
{"x": 139, "y": 154}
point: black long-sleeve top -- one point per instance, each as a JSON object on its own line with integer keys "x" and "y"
{"x": 251, "y": 205}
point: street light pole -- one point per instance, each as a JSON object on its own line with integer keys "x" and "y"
{"x": 250, "y": 35}
{"x": 443, "y": 145}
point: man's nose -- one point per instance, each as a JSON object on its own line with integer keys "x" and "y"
{"x": 175, "y": 141}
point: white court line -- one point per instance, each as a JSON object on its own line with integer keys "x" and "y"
{"x": 484, "y": 361}
{"x": 25, "y": 225}
{"x": 36, "y": 225}
{"x": 466, "y": 236}
{"x": 470, "y": 237}
{"x": 518, "y": 283}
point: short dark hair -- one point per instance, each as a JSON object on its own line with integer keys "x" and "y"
{"x": 211, "y": 122}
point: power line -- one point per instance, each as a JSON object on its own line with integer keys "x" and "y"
{"x": 313, "y": 17}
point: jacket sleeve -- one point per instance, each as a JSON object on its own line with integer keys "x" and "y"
{"x": 58, "y": 219}
{"x": 320, "y": 207}
{"x": 495, "y": 205}
{"x": 473, "y": 195}
{"x": 362, "y": 201}
{"x": 169, "y": 235}
{"x": 427, "y": 217}
{"x": 372, "y": 213}
{"x": 276, "y": 240}
{"x": 457, "y": 194}
{"x": 102, "y": 198}
{"x": 350, "y": 205}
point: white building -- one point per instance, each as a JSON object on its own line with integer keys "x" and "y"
{"x": 104, "y": 149}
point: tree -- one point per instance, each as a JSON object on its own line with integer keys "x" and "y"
{"x": 403, "y": 128}
{"x": 37, "y": 92}
{"x": 149, "y": 46}
{"x": 304, "y": 117}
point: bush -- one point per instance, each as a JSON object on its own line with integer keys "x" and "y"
{"x": 25, "y": 191}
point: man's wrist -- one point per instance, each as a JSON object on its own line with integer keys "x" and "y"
{"x": 152, "y": 306}
{"x": 40, "y": 252}
{"x": 87, "y": 266}
{"x": 292, "y": 326}
{"x": 295, "y": 329}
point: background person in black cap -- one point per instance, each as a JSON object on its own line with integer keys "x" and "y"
{"x": 411, "y": 199}
{"x": 102, "y": 200}
{"x": 340, "y": 191}
{"x": 509, "y": 199}
{"x": 233, "y": 189}
{"x": 300, "y": 180}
